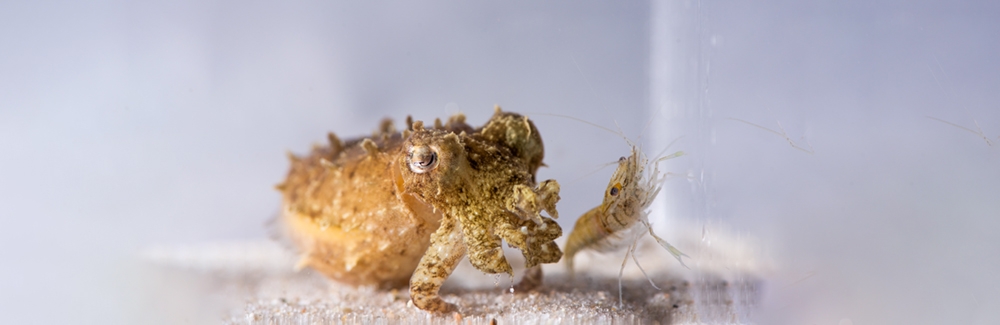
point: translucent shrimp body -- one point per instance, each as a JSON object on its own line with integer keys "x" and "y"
{"x": 623, "y": 214}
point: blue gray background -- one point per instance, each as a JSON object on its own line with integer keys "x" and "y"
{"x": 125, "y": 125}
{"x": 894, "y": 217}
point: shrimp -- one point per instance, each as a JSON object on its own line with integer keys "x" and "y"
{"x": 623, "y": 214}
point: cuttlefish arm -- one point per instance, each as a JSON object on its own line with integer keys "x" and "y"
{"x": 436, "y": 265}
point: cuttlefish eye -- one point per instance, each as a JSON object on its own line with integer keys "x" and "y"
{"x": 615, "y": 189}
{"x": 421, "y": 159}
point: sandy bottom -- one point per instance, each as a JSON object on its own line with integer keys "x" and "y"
{"x": 251, "y": 283}
{"x": 309, "y": 299}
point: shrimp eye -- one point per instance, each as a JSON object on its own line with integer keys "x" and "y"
{"x": 615, "y": 189}
{"x": 622, "y": 159}
{"x": 421, "y": 159}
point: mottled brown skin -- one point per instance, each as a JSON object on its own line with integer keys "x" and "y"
{"x": 411, "y": 204}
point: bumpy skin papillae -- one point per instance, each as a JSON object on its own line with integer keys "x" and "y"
{"x": 368, "y": 212}
{"x": 517, "y": 133}
{"x": 344, "y": 213}
{"x": 475, "y": 182}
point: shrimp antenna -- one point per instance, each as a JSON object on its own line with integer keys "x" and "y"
{"x": 594, "y": 93}
{"x": 599, "y": 168}
{"x": 979, "y": 132}
{"x": 619, "y": 133}
{"x": 582, "y": 121}
{"x": 782, "y": 134}
{"x": 644, "y": 128}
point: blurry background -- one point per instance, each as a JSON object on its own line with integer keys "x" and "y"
{"x": 894, "y": 218}
{"x": 125, "y": 126}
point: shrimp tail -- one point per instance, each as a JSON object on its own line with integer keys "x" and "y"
{"x": 587, "y": 231}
